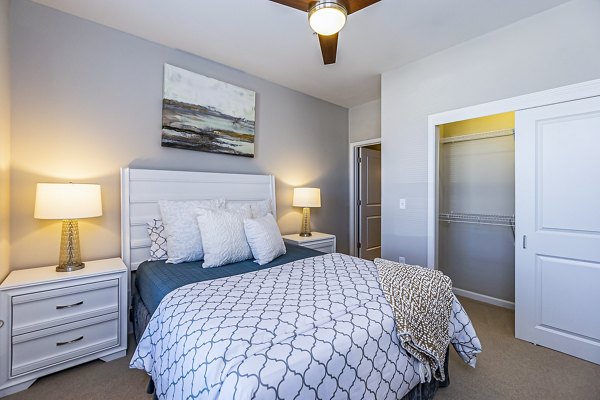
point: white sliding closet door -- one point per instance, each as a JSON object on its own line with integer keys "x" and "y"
{"x": 557, "y": 206}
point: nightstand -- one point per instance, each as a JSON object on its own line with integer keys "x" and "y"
{"x": 318, "y": 241}
{"x": 52, "y": 320}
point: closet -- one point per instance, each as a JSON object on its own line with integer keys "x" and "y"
{"x": 515, "y": 217}
{"x": 476, "y": 204}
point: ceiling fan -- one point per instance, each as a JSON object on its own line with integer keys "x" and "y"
{"x": 327, "y": 18}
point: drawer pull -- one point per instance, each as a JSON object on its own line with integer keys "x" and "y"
{"x": 1, "y": 323}
{"x": 70, "y": 305}
{"x": 70, "y": 341}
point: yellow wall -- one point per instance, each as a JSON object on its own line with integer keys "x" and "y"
{"x": 478, "y": 125}
{"x": 4, "y": 139}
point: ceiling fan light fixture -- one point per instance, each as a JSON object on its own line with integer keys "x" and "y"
{"x": 327, "y": 17}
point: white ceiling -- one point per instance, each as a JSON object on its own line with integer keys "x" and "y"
{"x": 275, "y": 42}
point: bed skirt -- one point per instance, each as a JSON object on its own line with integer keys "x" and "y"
{"x": 140, "y": 317}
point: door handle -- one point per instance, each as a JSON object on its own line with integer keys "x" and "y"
{"x": 524, "y": 241}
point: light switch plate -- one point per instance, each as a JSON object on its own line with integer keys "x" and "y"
{"x": 402, "y": 204}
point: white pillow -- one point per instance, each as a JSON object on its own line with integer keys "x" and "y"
{"x": 264, "y": 239}
{"x": 184, "y": 243}
{"x": 223, "y": 237}
{"x": 259, "y": 208}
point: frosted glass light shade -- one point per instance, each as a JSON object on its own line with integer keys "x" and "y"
{"x": 327, "y": 18}
{"x": 307, "y": 197}
{"x": 67, "y": 201}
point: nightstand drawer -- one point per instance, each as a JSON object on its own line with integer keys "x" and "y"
{"x": 40, "y": 349}
{"x": 45, "y": 309}
{"x": 325, "y": 247}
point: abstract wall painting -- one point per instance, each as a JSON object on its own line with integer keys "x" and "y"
{"x": 204, "y": 114}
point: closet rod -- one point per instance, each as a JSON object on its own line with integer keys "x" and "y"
{"x": 477, "y": 136}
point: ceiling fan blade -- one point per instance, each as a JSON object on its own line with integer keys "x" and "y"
{"x": 329, "y": 48}
{"x": 302, "y": 5}
{"x": 357, "y": 5}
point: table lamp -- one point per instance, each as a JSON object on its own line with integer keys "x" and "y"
{"x": 306, "y": 198}
{"x": 68, "y": 202}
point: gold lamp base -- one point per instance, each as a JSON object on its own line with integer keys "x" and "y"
{"x": 70, "y": 253}
{"x": 305, "y": 229}
{"x": 70, "y": 268}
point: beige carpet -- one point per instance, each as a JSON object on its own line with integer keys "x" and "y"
{"x": 507, "y": 369}
{"x": 95, "y": 380}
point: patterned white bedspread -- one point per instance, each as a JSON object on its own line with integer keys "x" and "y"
{"x": 317, "y": 328}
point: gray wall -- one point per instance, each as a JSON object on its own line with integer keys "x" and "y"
{"x": 4, "y": 138}
{"x": 365, "y": 121}
{"x": 551, "y": 49}
{"x": 87, "y": 101}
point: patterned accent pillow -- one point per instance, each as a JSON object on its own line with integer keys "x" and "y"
{"x": 158, "y": 239}
{"x": 184, "y": 242}
{"x": 223, "y": 237}
{"x": 259, "y": 208}
{"x": 264, "y": 239}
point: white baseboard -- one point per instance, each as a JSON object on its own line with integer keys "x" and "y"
{"x": 484, "y": 299}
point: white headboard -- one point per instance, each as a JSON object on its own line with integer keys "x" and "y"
{"x": 142, "y": 188}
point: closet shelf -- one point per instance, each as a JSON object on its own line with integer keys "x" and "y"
{"x": 482, "y": 219}
{"x": 477, "y": 136}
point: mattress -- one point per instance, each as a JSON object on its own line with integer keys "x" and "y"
{"x": 155, "y": 279}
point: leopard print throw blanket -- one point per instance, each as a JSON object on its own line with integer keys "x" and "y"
{"x": 421, "y": 299}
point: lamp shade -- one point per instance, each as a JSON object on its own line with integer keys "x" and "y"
{"x": 307, "y": 197}
{"x": 67, "y": 201}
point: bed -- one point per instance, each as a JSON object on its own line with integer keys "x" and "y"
{"x": 306, "y": 325}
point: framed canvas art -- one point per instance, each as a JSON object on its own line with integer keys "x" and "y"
{"x": 204, "y": 114}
